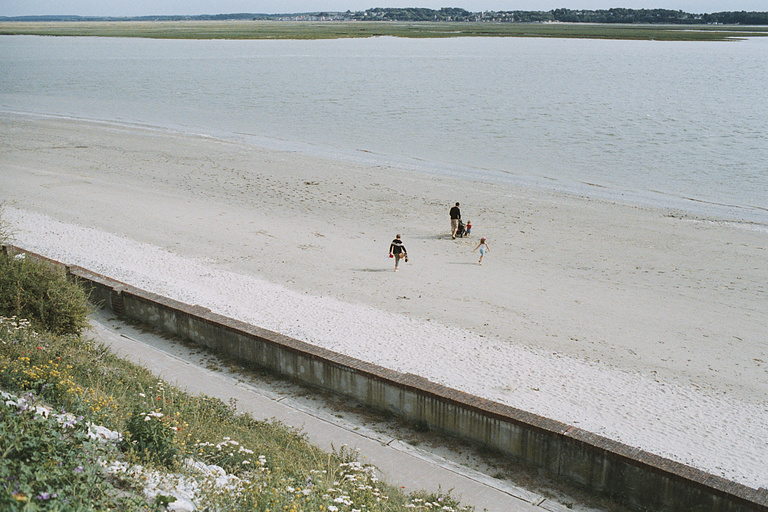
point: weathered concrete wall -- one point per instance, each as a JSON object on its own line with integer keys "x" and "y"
{"x": 639, "y": 479}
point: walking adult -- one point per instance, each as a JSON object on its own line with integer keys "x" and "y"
{"x": 397, "y": 251}
{"x": 455, "y": 217}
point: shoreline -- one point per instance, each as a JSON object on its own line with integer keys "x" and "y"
{"x": 691, "y": 208}
{"x": 582, "y": 301}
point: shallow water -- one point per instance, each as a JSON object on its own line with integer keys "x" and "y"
{"x": 680, "y": 125}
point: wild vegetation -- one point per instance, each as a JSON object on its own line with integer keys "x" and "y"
{"x": 270, "y": 29}
{"x": 42, "y": 294}
{"x": 82, "y": 430}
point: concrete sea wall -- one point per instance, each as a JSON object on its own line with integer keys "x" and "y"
{"x": 640, "y": 480}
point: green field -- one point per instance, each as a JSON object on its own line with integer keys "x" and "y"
{"x": 347, "y": 29}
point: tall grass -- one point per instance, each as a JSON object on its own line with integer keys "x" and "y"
{"x": 42, "y": 294}
{"x": 238, "y": 29}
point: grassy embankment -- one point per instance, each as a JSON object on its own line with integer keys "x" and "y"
{"x": 335, "y": 30}
{"x": 63, "y": 385}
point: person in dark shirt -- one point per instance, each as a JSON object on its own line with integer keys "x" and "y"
{"x": 455, "y": 216}
{"x": 397, "y": 250}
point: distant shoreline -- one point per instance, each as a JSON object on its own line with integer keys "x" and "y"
{"x": 271, "y": 29}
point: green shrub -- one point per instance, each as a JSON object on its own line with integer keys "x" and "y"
{"x": 42, "y": 294}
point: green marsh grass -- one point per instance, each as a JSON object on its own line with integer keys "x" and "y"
{"x": 261, "y": 29}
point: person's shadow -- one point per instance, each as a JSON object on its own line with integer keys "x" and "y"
{"x": 433, "y": 237}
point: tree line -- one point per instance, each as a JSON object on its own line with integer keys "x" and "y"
{"x": 616, "y": 15}
{"x": 455, "y": 14}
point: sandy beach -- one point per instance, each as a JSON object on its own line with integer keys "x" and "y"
{"x": 610, "y": 315}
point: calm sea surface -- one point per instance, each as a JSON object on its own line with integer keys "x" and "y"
{"x": 677, "y": 125}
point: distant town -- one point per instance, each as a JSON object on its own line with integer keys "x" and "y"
{"x": 452, "y": 14}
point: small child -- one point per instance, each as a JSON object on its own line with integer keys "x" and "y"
{"x": 469, "y": 227}
{"x": 483, "y": 248}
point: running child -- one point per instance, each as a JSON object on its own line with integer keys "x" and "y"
{"x": 483, "y": 246}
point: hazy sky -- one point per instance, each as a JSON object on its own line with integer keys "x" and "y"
{"x": 146, "y": 7}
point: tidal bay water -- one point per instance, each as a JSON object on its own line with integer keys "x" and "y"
{"x": 679, "y": 125}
